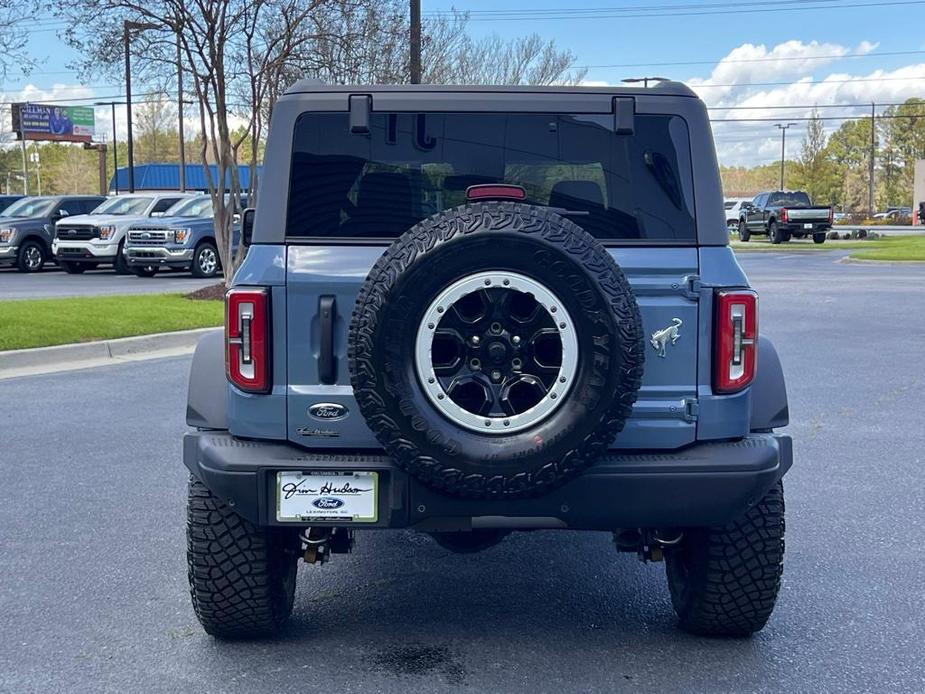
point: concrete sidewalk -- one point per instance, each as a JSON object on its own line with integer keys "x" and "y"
{"x": 27, "y": 362}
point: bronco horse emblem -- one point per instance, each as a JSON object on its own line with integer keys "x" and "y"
{"x": 661, "y": 338}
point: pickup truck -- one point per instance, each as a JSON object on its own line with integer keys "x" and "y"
{"x": 782, "y": 215}
{"x": 183, "y": 240}
{"x": 27, "y": 227}
{"x": 83, "y": 242}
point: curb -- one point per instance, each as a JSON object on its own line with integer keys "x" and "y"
{"x": 848, "y": 260}
{"x": 46, "y": 359}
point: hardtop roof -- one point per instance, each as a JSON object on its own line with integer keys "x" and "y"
{"x": 666, "y": 88}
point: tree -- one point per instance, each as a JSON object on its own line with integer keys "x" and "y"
{"x": 849, "y": 150}
{"x": 155, "y": 131}
{"x": 14, "y": 36}
{"x": 239, "y": 55}
{"x": 228, "y": 51}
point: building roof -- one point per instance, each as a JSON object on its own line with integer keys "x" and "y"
{"x": 167, "y": 177}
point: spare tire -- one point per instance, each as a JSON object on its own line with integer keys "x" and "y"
{"x": 495, "y": 349}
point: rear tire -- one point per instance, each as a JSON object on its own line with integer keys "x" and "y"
{"x": 72, "y": 268}
{"x": 776, "y": 234}
{"x": 242, "y": 578}
{"x": 31, "y": 257}
{"x": 724, "y": 581}
{"x": 744, "y": 233}
{"x": 818, "y": 238}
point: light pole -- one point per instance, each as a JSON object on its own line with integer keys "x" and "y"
{"x": 180, "y": 114}
{"x": 783, "y": 143}
{"x": 645, "y": 80}
{"x": 127, "y": 29}
{"x": 115, "y": 157}
{"x": 415, "y": 61}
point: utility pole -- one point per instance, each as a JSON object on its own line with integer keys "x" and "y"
{"x": 25, "y": 168}
{"x": 783, "y": 146}
{"x": 128, "y": 106}
{"x": 115, "y": 145}
{"x": 180, "y": 112}
{"x": 415, "y": 41}
{"x": 873, "y": 154}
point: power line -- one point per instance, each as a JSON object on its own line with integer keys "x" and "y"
{"x": 767, "y": 59}
{"x": 538, "y": 11}
{"x": 801, "y": 83}
{"x": 762, "y": 108}
{"x": 896, "y": 116}
{"x": 669, "y": 11}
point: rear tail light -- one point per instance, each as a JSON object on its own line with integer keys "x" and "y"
{"x": 247, "y": 339}
{"x": 831, "y": 215}
{"x": 783, "y": 215}
{"x": 736, "y": 333}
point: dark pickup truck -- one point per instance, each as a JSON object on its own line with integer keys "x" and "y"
{"x": 783, "y": 214}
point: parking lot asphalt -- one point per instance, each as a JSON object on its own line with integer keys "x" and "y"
{"x": 93, "y": 594}
{"x": 53, "y": 282}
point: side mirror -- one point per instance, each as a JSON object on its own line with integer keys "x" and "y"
{"x": 247, "y": 226}
{"x": 61, "y": 214}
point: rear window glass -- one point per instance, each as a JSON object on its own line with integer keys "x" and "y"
{"x": 410, "y": 166}
{"x": 795, "y": 198}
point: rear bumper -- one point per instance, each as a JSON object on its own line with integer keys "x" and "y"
{"x": 703, "y": 484}
{"x": 800, "y": 227}
{"x": 158, "y": 256}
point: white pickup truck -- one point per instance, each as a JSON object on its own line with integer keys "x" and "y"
{"x": 83, "y": 242}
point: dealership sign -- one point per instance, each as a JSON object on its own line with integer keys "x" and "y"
{"x": 45, "y": 122}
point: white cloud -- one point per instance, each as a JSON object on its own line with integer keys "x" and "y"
{"x": 810, "y": 82}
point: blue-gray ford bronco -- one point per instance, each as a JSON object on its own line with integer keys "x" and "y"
{"x": 470, "y": 311}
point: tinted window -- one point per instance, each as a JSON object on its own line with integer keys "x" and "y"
{"x": 411, "y": 166}
{"x": 797, "y": 198}
{"x": 164, "y": 204}
{"x": 30, "y": 207}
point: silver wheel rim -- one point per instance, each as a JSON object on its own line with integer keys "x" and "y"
{"x": 561, "y": 376}
{"x": 208, "y": 262}
{"x": 33, "y": 257}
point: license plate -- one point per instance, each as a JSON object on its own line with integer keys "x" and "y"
{"x": 807, "y": 226}
{"x": 327, "y": 496}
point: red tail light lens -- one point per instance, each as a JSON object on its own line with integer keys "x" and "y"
{"x": 783, "y": 215}
{"x": 831, "y": 215}
{"x": 247, "y": 339}
{"x": 735, "y": 330}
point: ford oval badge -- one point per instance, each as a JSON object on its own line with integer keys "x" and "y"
{"x": 327, "y": 503}
{"x": 327, "y": 411}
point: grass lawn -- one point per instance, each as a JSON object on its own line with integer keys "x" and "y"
{"x": 761, "y": 244}
{"x": 44, "y": 322}
{"x": 896, "y": 248}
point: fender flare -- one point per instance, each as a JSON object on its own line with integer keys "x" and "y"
{"x": 769, "y": 407}
{"x": 207, "y": 397}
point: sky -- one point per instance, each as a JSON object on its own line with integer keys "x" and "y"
{"x": 748, "y": 59}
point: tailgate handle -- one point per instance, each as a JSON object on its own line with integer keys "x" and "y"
{"x": 327, "y": 362}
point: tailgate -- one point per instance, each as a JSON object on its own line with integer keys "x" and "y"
{"x": 322, "y": 285}
{"x": 808, "y": 214}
